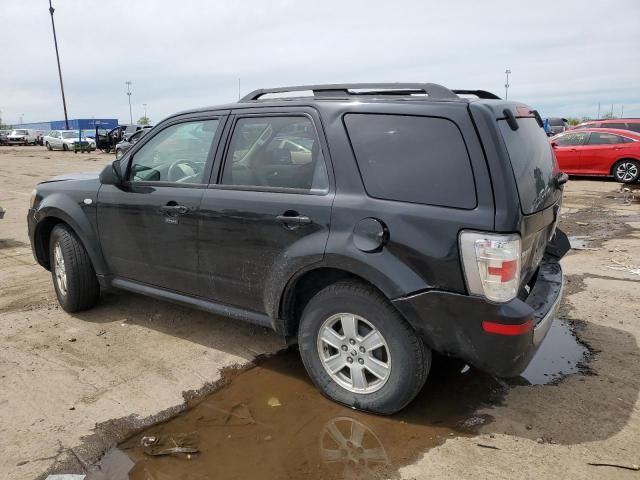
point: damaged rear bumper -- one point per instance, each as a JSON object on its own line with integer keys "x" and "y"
{"x": 452, "y": 323}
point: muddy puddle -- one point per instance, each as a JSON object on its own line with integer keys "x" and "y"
{"x": 271, "y": 423}
{"x": 559, "y": 355}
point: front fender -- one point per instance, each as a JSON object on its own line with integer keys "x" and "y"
{"x": 81, "y": 219}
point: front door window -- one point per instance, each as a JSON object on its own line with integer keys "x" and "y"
{"x": 177, "y": 154}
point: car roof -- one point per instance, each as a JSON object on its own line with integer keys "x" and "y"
{"x": 614, "y": 131}
{"x": 400, "y": 93}
{"x": 613, "y": 120}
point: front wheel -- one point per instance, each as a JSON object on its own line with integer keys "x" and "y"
{"x": 73, "y": 275}
{"x": 359, "y": 351}
{"x": 627, "y": 171}
{"x": 48, "y": 145}
{"x": 65, "y": 147}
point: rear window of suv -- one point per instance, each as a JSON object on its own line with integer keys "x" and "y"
{"x": 412, "y": 159}
{"x": 534, "y": 166}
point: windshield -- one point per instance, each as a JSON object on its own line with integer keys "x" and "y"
{"x": 533, "y": 163}
{"x": 69, "y": 134}
{"x": 19, "y": 132}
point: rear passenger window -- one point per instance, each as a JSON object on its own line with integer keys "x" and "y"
{"x": 276, "y": 152}
{"x": 634, "y": 127}
{"x": 601, "y": 138}
{"x": 412, "y": 159}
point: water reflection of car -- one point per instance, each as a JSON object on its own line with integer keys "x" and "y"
{"x": 128, "y": 141}
{"x": 65, "y": 140}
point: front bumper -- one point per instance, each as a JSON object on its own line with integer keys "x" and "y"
{"x": 451, "y": 323}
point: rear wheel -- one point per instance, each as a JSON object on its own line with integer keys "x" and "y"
{"x": 359, "y": 351}
{"x": 627, "y": 171}
{"x": 73, "y": 275}
{"x": 65, "y": 147}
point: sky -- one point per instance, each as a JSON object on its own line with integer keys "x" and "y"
{"x": 565, "y": 56}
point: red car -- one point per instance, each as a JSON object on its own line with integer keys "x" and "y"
{"x": 599, "y": 151}
{"x": 632, "y": 124}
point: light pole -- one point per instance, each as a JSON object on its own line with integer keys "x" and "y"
{"x": 506, "y": 85}
{"x": 128, "y": 83}
{"x": 55, "y": 41}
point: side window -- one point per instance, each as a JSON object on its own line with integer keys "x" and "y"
{"x": 177, "y": 154}
{"x": 619, "y": 125}
{"x": 634, "y": 127}
{"x": 601, "y": 138}
{"x": 412, "y": 159}
{"x": 276, "y": 152}
{"x": 572, "y": 139}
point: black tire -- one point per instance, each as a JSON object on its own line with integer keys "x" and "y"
{"x": 48, "y": 146}
{"x": 65, "y": 147}
{"x": 82, "y": 288}
{"x": 410, "y": 359}
{"x": 626, "y": 170}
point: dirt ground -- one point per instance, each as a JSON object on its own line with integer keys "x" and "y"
{"x": 72, "y": 386}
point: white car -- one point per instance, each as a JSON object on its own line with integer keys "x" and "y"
{"x": 65, "y": 140}
{"x": 22, "y": 136}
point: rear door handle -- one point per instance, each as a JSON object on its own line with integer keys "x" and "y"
{"x": 174, "y": 209}
{"x": 297, "y": 220}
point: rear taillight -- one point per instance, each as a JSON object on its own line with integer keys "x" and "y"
{"x": 491, "y": 264}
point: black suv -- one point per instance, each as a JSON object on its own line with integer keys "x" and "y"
{"x": 372, "y": 223}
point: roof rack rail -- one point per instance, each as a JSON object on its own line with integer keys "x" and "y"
{"x": 432, "y": 90}
{"x": 478, "y": 93}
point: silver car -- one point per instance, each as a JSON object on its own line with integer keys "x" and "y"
{"x": 64, "y": 140}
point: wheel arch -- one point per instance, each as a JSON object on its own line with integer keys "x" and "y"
{"x": 48, "y": 219}
{"x": 303, "y": 286}
{"x": 619, "y": 160}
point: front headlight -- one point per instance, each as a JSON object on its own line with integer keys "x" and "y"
{"x": 32, "y": 200}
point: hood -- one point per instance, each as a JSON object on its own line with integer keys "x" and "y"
{"x": 74, "y": 176}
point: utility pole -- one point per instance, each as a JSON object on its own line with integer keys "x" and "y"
{"x": 128, "y": 83}
{"x": 55, "y": 41}
{"x": 612, "y": 110}
{"x": 238, "y": 89}
{"x": 145, "y": 109}
{"x": 622, "y": 112}
{"x": 598, "y": 117}
{"x": 506, "y": 85}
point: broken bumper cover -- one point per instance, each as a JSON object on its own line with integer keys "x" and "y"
{"x": 451, "y": 323}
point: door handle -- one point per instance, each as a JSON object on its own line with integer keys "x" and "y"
{"x": 174, "y": 209}
{"x": 293, "y": 220}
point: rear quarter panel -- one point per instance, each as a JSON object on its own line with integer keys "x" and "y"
{"x": 422, "y": 249}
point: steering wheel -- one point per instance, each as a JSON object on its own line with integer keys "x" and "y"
{"x": 176, "y": 173}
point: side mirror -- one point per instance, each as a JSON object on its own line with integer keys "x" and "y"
{"x": 112, "y": 174}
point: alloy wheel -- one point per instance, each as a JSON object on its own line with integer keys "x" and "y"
{"x": 354, "y": 353}
{"x": 626, "y": 171}
{"x": 60, "y": 270}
